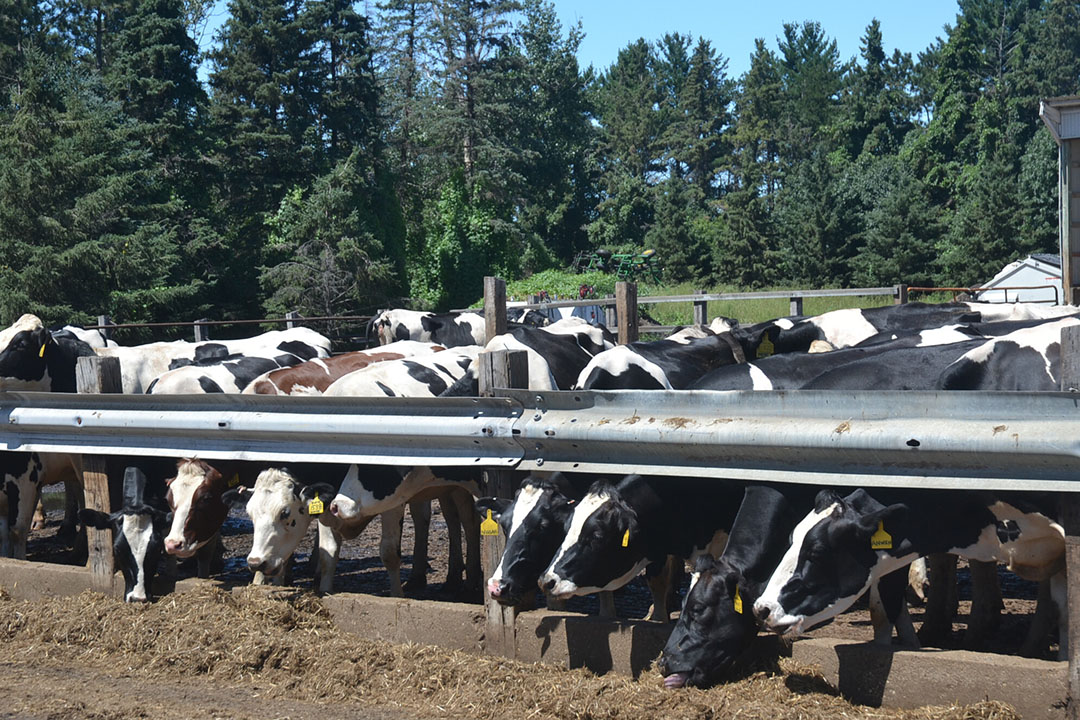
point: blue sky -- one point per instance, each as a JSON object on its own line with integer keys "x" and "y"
{"x": 732, "y": 27}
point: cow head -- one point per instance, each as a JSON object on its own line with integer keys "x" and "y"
{"x": 534, "y": 524}
{"x": 278, "y": 508}
{"x": 198, "y": 510}
{"x": 715, "y": 626}
{"x": 19, "y": 491}
{"x": 836, "y": 552}
{"x": 601, "y": 550}
{"x": 23, "y": 347}
{"x": 362, "y": 496}
{"x": 394, "y": 325}
{"x": 137, "y": 528}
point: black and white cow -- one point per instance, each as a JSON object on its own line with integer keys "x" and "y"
{"x": 31, "y": 358}
{"x": 138, "y": 528}
{"x": 618, "y": 529}
{"x": 844, "y": 544}
{"x": 385, "y": 490}
{"x": 527, "y": 316}
{"x": 232, "y": 373}
{"x": 20, "y": 488}
{"x": 672, "y": 363}
{"x": 844, "y": 328}
{"x": 449, "y": 330}
{"x": 140, "y": 365}
{"x": 93, "y": 338}
{"x": 1028, "y": 359}
{"x": 534, "y": 523}
{"x": 555, "y": 357}
{"x": 418, "y": 376}
{"x": 717, "y": 623}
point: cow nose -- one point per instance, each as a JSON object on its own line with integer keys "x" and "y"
{"x": 761, "y": 612}
{"x": 494, "y": 588}
{"x": 334, "y": 510}
{"x": 549, "y": 584}
{"x": 256, "y": 564}
{"x": 172, "y": 546}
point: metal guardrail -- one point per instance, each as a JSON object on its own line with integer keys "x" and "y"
{"x": 1001, "y": 441}
{"x": 402, "y": 431}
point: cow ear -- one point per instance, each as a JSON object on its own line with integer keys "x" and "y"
{"x": 824, "y": 499}
{"x": 430, "y": 323}
{"x": 237, "y": 497}
{"x": 497, "y": 506}
{"x": 884, "y": 517}
{"x": 704, "y": 563}
{"x": 324, "y": 490}
{"x": 42, "y": 337}
{"x": 95, "y": 519}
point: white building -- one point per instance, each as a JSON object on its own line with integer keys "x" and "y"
{"x": 1036, "y": 278}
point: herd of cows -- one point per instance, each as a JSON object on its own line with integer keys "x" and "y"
{"x": 779, "y": 557}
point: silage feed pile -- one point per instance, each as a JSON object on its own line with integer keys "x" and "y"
{"x": 283, "y": 642}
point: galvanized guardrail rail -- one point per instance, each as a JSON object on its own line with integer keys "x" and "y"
{"x": 1001, "y": 441}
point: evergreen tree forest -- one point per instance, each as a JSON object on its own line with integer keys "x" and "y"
{"x": 342, "y": 157}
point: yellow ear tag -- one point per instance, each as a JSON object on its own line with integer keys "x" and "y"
{"x": 738, "y": 601}
{"x": 766, "y": 347}
{"x": 881, "y": 540}
{"x": 489, "y": 527}
{"x": 315, "y": 507}
{"x": 234, "y": 480}
{"x": 626, "y": 539}
{"x": 41, "y": 352}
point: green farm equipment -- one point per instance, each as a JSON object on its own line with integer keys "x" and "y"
{"x": 624, "y": 266}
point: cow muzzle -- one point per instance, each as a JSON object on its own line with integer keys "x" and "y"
{"x": 180, "y": 548}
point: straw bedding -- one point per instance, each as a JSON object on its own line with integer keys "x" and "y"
{"x": 283, "y": 643}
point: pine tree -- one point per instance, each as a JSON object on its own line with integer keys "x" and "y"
{"x": 78, "y": 203}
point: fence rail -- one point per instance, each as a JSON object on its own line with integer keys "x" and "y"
{"x": 1004, "y": 441}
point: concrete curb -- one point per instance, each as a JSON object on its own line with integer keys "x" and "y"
{"x": 903, "y": 678}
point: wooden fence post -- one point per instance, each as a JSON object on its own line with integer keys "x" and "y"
{"x": 1070, "y": 521}
{"x": 494, "y": 307}
{"x": 290, "y": 319}
{"x": 98, "y": 375}
{"x": 202, "y": 332}
{"x": 701, "y": 310}
{"x": 499, "y": 369}
{"x": 104, "y": 321}
{"x": 900, "y": 297}
{"x": 626, "y": 307}
{"x": 796, "y": 306}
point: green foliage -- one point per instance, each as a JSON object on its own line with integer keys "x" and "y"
{"x": 559, "y": 283}
{"x": 339, "y": 160}
{"x": 329, "y": 259}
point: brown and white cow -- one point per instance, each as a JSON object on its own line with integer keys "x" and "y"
{"x": 314, "y": 376}
{"x": 194, "y": 496}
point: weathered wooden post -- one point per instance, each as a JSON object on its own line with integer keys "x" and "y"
{"x": 626, "y": 307}
{"x": 900, "y": 295}
{"x": 202, "y": 332}
{"x": 104, "y": 322}
{"x": 98, "y": 375}
{"x": 795, "y": 306}
{"x": 290, "y": 319}
{"x": 701, "y": 310}
{"x": 494, "y": 307}
{"x": 499, "y": 369}
{"x": 1070, "y": 521}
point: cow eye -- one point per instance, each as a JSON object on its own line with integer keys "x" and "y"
{"x": 285, "y": 513}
